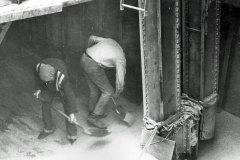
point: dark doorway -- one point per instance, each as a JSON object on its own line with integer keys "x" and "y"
{"x": 230, "y": 59}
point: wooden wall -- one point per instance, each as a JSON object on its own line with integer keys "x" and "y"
{"x": 68, "y": 31}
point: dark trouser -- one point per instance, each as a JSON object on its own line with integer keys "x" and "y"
{"x": 97, "y": 81}
{"x": 47, "y": 114}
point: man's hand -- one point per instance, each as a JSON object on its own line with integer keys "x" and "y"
{"x": 120, "y": 74}
{"x": 72, "y": 118}
{"x": 37, "y": 94}
{"x": 118, "y": 92}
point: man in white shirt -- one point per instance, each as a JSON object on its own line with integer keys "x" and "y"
{"x": 102, "y": 53}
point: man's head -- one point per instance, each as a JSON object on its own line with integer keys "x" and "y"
{"x": 47, "y": 73}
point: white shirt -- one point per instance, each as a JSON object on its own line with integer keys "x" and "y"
{"x": 109, "y": 53}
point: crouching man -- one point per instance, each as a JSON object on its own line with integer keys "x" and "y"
{"x": 102, "y": 53}
{"x": 53, "y": 80}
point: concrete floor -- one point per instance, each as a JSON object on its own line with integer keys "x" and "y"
{"x": 225, "y": 145}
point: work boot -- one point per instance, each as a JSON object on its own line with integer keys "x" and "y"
{"x": 94, "y": 120}
{"x": 44, "y": 134}
{"x": 71, "y": 139}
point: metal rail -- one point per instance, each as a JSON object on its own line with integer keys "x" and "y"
{"x": 142, "y": 9}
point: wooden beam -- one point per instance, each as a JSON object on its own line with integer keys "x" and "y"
{"x": 159, "y": 26}
{"x": 28, "y": 9}
{"x": 150, "y": 60}
{"x": 67, "y": 3}
{"x": 171, "y": 48}
{"x": 194, "y": 48}
{"x": 4, "y": 29}
{"x": 34, "y": 8}
{"x": 211, "y": 48}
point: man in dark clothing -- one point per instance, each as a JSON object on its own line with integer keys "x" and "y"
{"x": 102, "y": 53}
{"x": 53, "y": 81}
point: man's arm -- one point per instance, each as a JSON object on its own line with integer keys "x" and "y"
{"x": 69, "y": 97}
{"x": 120, "y": 76}
{"x": 94, "y": 39}
{"x": 39, "y": 83}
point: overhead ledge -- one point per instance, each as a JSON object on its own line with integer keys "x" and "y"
{"x": 34, "y": 8}
{"x": 67, "y": 3}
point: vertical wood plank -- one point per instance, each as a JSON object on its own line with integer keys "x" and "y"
{"x": 171, "y": 49}
{"x": 150, "y": 60}
{"x": 194, "y": 47}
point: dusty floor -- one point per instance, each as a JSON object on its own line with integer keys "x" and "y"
{"x": 123, "y": 143}
{"x": 20, "y": 120}
{"x": 20, "y": 123}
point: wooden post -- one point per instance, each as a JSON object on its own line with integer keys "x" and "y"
{"x": 193, "y": 31}
{"x": 159, "y": 26}
{"x": 160, "y": 34}
{"x": 171, "y": 55}
{"x": 150, "y": 60}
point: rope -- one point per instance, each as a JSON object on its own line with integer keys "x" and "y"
{"x": 189, "y": 108}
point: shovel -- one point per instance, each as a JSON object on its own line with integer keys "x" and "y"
{"x": 96, "y": 132}
{"x": 122, "y": 114}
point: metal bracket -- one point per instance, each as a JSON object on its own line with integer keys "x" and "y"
{"x": 123, "y": 5}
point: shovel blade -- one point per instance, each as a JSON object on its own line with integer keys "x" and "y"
{"x": 162, "y": 149}
{"x": 97, "y": 132}
{"x": 159, "y": 148}
{"x": 123, "y": 115}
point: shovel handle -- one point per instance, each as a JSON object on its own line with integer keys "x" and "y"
{"x": 114, "y": 101}
{"x": 61, "y": 113}
{"x": 66, "y": 116}
{"x": 115, "y": 106}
